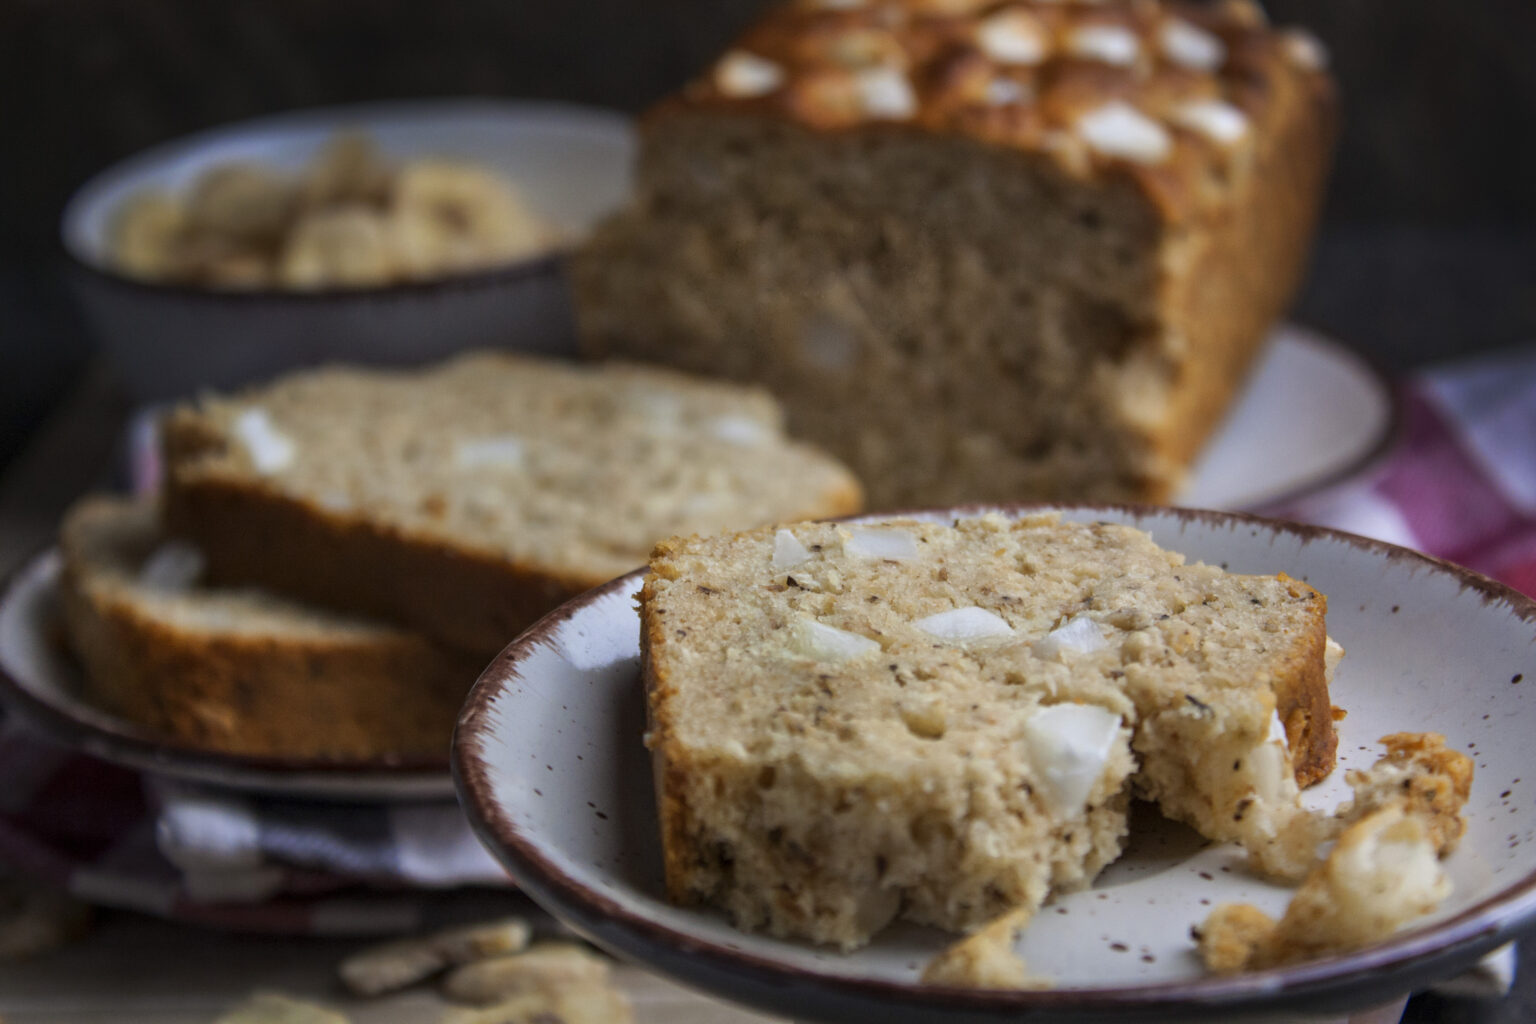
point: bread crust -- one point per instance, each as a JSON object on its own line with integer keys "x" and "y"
{"x": 718, "y": 650}
{"x": 352, "y": 692}
{"x": 472, "y": 601}
{"x": 460, "y": 581}
{"x": 1211, "y": 254}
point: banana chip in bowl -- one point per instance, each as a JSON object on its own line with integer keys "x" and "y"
{"x": 394, "y": 234}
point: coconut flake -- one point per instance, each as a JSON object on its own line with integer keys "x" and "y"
{"x": 270, "y": 449}
{"x": 828, "y": 643}
{"x": 1217, "y": 120}
{"x": 885, "y": 93}
{"x": 892, "y": 544}
{"x": 1078, "y": 635}
{"x": 744, "y": 75}
{"x": 502, "y": 451}
{"x": 1112, "y": 44}
{"x": 1012, "y": 37}
{"x": 173, "y": 566}
{"x": 1191, "y": 46}
{"x": 742, "y": 430}
{"x": 1068, "y": 746}
{"x": 971, "y": 623}
{"x": 1118, "y": 129}
{"x": 788, "y": 552}
{"x": 1304, "y": 49}
{"x": 1004, "y": 92}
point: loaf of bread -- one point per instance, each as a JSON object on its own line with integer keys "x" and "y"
{"x": 240, "y": 671}
{"x": 981, "y": 250}
{"x": 466, "y": 500}
{"x": 852, "y": 723}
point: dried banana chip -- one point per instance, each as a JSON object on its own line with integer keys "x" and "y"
{"x": 348, "y": 246}
{"x": 274, "y": 1008}
{"x": 591, "y": 1004}
{"x": 348, "y": 170}
{"x": 243, "y": 202}
{"x": 546, "y": 967}
{"x": 145, "y": 234}
{"x": 459, "y": 216}
{"x": 395, "y": 965}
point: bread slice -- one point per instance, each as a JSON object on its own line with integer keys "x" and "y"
{"x": 241, "y": 671}
{"x": 982, "y": 251}
{"x": 468, "y": 499}
{"x": 851, "y": 723}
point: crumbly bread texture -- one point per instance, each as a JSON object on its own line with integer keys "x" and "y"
{"x": 852, "y": 723}
{"x": 981, "y": 250}
{"x": 240, "y": 670}
{"x": 468, "y": 499}
{"x": 1382, "y": 873}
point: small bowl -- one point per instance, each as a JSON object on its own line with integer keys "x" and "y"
{"x": 571, "y": 163}
{"x": 550, "y": 766}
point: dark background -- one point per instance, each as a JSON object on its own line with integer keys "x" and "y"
{"x": 1428, "y": 250}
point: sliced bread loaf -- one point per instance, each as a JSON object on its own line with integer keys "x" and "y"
{"x": 468, "y": 499}
{"x": 945, "y": 722}
{"x": 985, "y": 250}
{"x": 241, "y": 671}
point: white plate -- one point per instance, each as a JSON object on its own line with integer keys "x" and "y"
{"x": 40, "y": 682}
{"x": 1311, "y": 414}
{"x": 551, "y": 769}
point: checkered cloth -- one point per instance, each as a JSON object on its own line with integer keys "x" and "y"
{"x": 1460, "y": 484}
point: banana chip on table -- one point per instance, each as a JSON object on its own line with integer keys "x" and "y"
{"x": 274, "y": 1008}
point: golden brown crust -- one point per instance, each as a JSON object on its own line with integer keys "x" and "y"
{"x": 1301, "y": 696}
{"x": 473, "y": 602}
{"x": 1021, "y": 75}
{"x": 668, "y": 758}
{"x": 346, "y": 693}
{"x": 1201, "y": 165}
{"x": 1423, "y": 776}
{"x": 1248, "y": 259}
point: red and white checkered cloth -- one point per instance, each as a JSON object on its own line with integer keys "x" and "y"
{"x": 1461, "y": 484}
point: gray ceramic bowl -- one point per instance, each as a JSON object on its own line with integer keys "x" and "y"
{"x": 572, "y": 164}
{"x": 551, "y": 769}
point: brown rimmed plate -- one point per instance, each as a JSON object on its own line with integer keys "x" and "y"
{"x": 550, "y": 766}
{"x": 40, "y": 682}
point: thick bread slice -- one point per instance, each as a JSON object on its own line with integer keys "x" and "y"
{"x": 851, "y": 723}
{"x": 241, "y": 671}
{"x": 469, "y": 499}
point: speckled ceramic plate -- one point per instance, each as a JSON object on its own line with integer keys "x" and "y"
{"x": 550, "y": 765}
{"x": 1311, "y": 414}
{"x": 41, "y": 682}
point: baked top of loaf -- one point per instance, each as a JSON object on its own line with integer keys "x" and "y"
{"x": 1170, "y": 94}
{"x": 571, "y": 471}
{"x": 976, "y": 681}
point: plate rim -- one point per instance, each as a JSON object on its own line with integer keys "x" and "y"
{"x": 120, "y": 742}
{"x": 1388, "y": 435}
{"x": 1329, "y": 983}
